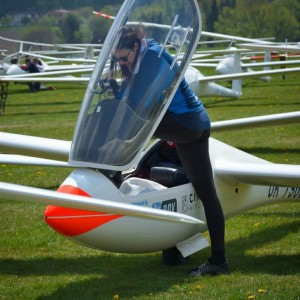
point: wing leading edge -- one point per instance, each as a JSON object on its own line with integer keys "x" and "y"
{"x": 233, "y": 165}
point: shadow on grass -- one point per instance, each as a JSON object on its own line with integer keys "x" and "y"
{"x": 271, "y": 264}
{"x": 146, "y": 266}
{"x": 133, "y": 275}
{"x": 103, "y": 276}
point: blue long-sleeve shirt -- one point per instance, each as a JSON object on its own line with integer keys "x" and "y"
{"x": 153, "y": 76}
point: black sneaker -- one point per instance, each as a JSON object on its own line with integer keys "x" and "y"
{"x": 210, "y": 269}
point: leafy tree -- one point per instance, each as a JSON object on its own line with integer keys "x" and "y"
{"x": 210, "y": 11}
{"x": 84, "y": 34}
{"x": 292, "y": 5}
{"x": 17, "y": 6}
{"x": 75, "y": 29}
{"x": 284, "y": 23}
{"x": 42, "y": 34}
{"x": 100, "y": 26}
{"x": 7, "y": 20}
{"x": 258, "y": 19}
{"x": 251, "y": 18}
{"x": 84, "y": 12}
{"x": 47, "y": 21}
{"x": 70, "y": 24}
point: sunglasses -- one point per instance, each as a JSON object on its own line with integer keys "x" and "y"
{"x": 122, "y": 58}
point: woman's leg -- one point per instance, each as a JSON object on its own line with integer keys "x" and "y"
{"x": 196, "y": 162}
{"x": 193, "y": 149}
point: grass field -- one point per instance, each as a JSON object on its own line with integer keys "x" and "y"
{"x": 263, "y": 245}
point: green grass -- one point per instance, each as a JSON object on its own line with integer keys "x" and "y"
{"x": 263, "y": 245}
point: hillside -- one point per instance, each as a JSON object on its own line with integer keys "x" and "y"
{"x": 11, "y": 34}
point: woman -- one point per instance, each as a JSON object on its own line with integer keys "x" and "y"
{"x": 186, "y": 123}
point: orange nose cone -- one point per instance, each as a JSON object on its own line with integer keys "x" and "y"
{"x": 70, "y": 221}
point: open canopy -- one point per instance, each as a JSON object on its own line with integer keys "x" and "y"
{"x": 112, "y": 130}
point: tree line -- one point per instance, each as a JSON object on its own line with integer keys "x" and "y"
{"x": 250, "y": 18}
{"x": 26, "y": 6}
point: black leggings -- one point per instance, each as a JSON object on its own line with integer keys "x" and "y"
{"x": 193, "y": 150}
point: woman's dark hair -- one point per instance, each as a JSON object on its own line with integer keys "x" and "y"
{"x": 129, "y": 38}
